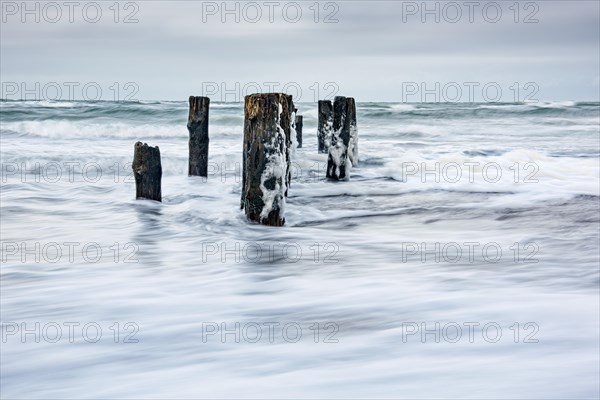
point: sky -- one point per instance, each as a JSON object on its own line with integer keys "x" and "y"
{"x": 405, "y": 51}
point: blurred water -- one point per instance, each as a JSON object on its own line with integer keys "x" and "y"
{"x": 357, "y": 258}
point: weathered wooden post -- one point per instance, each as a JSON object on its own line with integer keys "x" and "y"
{"x": 147, "y": 171}
{"x": 337, "y": 161}
{"x": 289, "y": 114}
{"x": 198, "y": 127}
{"x": 266, "y": 156}
{"x": 325, "y": 125}
{"x": 353, "y": 145}
{"x": 299, "y": 130}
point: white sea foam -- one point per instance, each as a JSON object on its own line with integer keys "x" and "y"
{"x": 353, "y": 145}
{"x": 346, "y": 260}
{"x": 275, "y": 169}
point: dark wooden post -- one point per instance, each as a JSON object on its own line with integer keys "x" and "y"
{"x": 286, "y": 118}
{"x": 337, "y": 161}
{"x": 353, "y": 145}
{"x": 266, "y": 156}
{"x": 198, "y": 127}
{"x": 325, "y": 125}
{"x": 147, "y": 171}
{"x": 299, "y": 130}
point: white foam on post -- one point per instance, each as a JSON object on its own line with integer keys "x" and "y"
{"x": 328, "y": 132}
{"x": 276, "y": 168}
{"x": 353, "y": 145}
{"x": 336, "y": 152}
{"x": 293, "y": 133}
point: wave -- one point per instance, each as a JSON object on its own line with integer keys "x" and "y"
{"x": 527, "y": 172}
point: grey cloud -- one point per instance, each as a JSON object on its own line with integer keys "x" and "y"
{"x": 170, "y": 52}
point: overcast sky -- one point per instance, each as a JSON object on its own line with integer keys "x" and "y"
{"x": 376, "y": 51}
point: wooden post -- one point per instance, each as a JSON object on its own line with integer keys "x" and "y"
{"x": 198, "y": 127}
{"x": 147, "y": 171}
{"x": 325, "y": 126}
{"x": 299, "y": 130}
{"x": 353, "y": 145}
{"x": 337, "y": 161}
{"x": 266, "y": 156}
{"x": 286, "y": 119}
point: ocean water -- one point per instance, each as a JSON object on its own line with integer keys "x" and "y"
{"x": 461, "y": 259}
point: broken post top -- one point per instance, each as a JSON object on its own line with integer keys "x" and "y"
{"x": 145, "y": 151}
{"x": 146, "y": 159}
{"x": 198, "y": 110}
{"x": 272, "y": 110}
{"x": 340, "y": 99}
{"x": 325, "y": 106}
{"x": 266, "y": 96}
{"x": 261, "y": 102}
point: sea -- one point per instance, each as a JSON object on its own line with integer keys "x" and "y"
{"x": 459, "y": 260}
